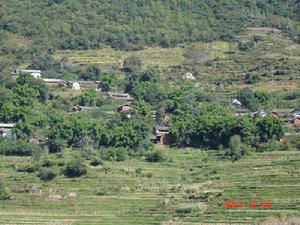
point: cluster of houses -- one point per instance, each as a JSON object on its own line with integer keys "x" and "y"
{"x": 161, "y": 134}
{"x": 289, "y": 117}
{"x": 72, "y": 84}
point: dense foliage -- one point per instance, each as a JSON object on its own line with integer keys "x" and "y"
{"x": 216, "y": 126}
{"x": 33, "y": 29}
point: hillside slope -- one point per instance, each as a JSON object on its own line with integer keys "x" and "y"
{"x": 75, "y": 24}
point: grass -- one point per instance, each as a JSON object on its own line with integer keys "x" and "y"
{"x": 117, "y": 194}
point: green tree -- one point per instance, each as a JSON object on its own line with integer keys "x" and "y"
{"x": 132, "y": 63}
{"x": 88, "y": 98}
{"x": 92, "y": 72}
{"x": 236, "y": 148}
{"x": 269, "y": 127}
{"x": 247, "y": 98}
{"x": 152, "y": 93}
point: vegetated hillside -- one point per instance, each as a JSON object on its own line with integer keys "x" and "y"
{"x": 30, "y": 27}
{"x": 263, "y": 58}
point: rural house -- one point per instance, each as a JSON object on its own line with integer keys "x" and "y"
{"x": 162, "y": 136}
{"x": 259, "y": 113}
{"x": 296, "y": 113}
{"x": 120, "y": 96}
{"x": 55, "y": 82}
{"x": 282, "y": 112}
{"x": 241, "y": 112}
{"x": 125, "y": 107}
{"x": 296, "y": 121}
{"x": 35, "y": 73}
{"x": 36, "y": 140}
{"x": 79, "y": 85}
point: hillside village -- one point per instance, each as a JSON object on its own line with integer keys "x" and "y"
{"x": 139, "y": 112}
{"x": 161, "y": 133}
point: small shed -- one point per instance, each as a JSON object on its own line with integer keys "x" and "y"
{"x": 162, "y": 136}
{"x": 6, "y": 130}
{"x": 125, "y": 107}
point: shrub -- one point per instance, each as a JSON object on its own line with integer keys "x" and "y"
{"x": 61, "y": 163}
{"x": 96, "y": 161}
{"x": 4, "y": 193}
{"x": 17, "y": 148}
{"x": 75, "y": 168}
{"x": 296, "y": 142}
{"x": 184, "y": 210}
{"x": 273, "y": 146}
{"x": 155, "y": 156}
{"x": 114, "y": 154}
{"x": 56, "y": 145}
{"x": 47, "y": 174}
{"x": 246, "y": 46}
{"x": 236, "y": 148}
{"x": 29, "y": 168}
{"x": 47, "y": 163}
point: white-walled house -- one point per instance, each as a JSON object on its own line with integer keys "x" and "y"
{"x": 35, "y": 73}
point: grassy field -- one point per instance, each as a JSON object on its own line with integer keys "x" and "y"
{"x": 189, "y": 188}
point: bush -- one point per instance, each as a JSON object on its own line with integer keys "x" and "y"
{"x": 47, "y": 174}
{"x": 75, "y": 168}
{"x": 184, "y": 210}
{"x": 29, "y": 168}
{"x": 155, "y": 156}
{"x": 295, "y": 142}
{"x": 61, "y": 163}
{"x": 273, "y": 146}
{"x": 56, "y": 145}
{"x": 4, "y": 193}
{"x": 47, "y": 163}
{"x": 17, "y": 148}
{"x": 236, "y": 148}
{"x": 114, "y": 154}
{"x": 96, "y": 161}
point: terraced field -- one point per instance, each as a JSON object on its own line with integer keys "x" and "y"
{"x": 189, "y": 188}
{"x": 163, "y": 57}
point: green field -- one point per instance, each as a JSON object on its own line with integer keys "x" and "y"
{"x": 189, "y": 188}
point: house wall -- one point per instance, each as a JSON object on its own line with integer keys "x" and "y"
{"x": 166, "y": 139}
{"x": 296, "y": 122}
